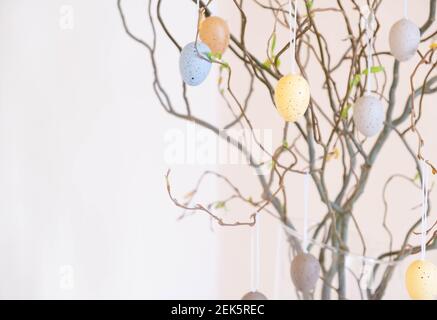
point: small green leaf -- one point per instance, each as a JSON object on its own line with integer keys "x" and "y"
{"x": 377, "y": 69}
{"x": 416, "y": 177}
{"x": 224, "y": 65}
{"x": 355, "y": 81}
{"x": 345, "y": 112}
{"x": 278, "y": 62}
{"x": 213, "y": 57}
{"x": 267, "y": 64}
{"x": 285, "y": 144}
{"x": 374, "y": 69}
{"x": 309, "y": 3}
{"x": 273, "y": 44}
{"x": 220, "y": 205}
{"x": 357, "y": 78}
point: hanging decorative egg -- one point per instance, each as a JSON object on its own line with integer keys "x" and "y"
{"x": 214, "y": 32}
{"x": 368, "y": 115}
{"x": 194, "y": 63}
{"x": 404, "y": 39}
{"x": 254, "y": 296}
{"x": 292, "y": 97}
{"x": 305, "y": 270}
{"x": 421, "y": 280}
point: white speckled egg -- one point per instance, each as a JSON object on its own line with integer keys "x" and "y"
{"x": 421, "y": 280}
{"x": 254, "y": 296}
{"x": 194, "y": 63}
{"x": 292, "y": 97}
{"x": 404, "y": 39}
{"x": 305, "y": 270}
{"x": 368, "y": 115}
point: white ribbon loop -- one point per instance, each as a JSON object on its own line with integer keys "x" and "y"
{"x": 406, "y": 9}
{"x": 424, "y": 216}
{"x": 369, "y": 38}
{"x": 293, "y": 28}
{"x": 305, "y": 212}
{"x": 255, "y": 255}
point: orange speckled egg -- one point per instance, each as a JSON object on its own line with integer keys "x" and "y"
{"x": 214, "y": 32}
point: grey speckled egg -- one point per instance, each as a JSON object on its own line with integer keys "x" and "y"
{"x": 305, "y": 270}
{"x": 194, "y": 63}
{"x": 254, "y": 296}
{"x": 368, "y": 115}
{"x": 404, "y": 39}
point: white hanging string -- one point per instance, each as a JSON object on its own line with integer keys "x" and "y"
{"x": 279, "y": 261}
{"x": 305, "y": 211}
{"x": 197, "y": 17}
{"x": 255, "y": 255}
{"x": 369, "y": 38}
{"x": 293, "y": 28}
{"x": 406, "y": 9}
{"x": 350, "y": 255}
{"x": 424, "y": 218}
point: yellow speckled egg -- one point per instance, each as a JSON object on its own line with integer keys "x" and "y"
{"x": 214, "y": 31}
{"x": 421, "y": 280}
{"x": 292, "y": 97}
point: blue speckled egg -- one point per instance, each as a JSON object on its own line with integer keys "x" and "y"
{"x": 194, "y": 63}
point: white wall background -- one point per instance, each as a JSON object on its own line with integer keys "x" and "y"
{"x": 82, "y": 143}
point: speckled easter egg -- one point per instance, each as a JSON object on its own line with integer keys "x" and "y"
{"x": 254, "y": 296}
{"x": 421, "y": 280}
{"x": 292, "y": 97}
{"x": 194, "y": 63}
{"x": 404, "y": 39}
{"x": 368, "y": 115}
{"x": 305, "y": 270}
{"x": 214, "y": 31}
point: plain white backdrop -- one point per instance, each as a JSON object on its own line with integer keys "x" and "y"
{"x": 83, "y": 207}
